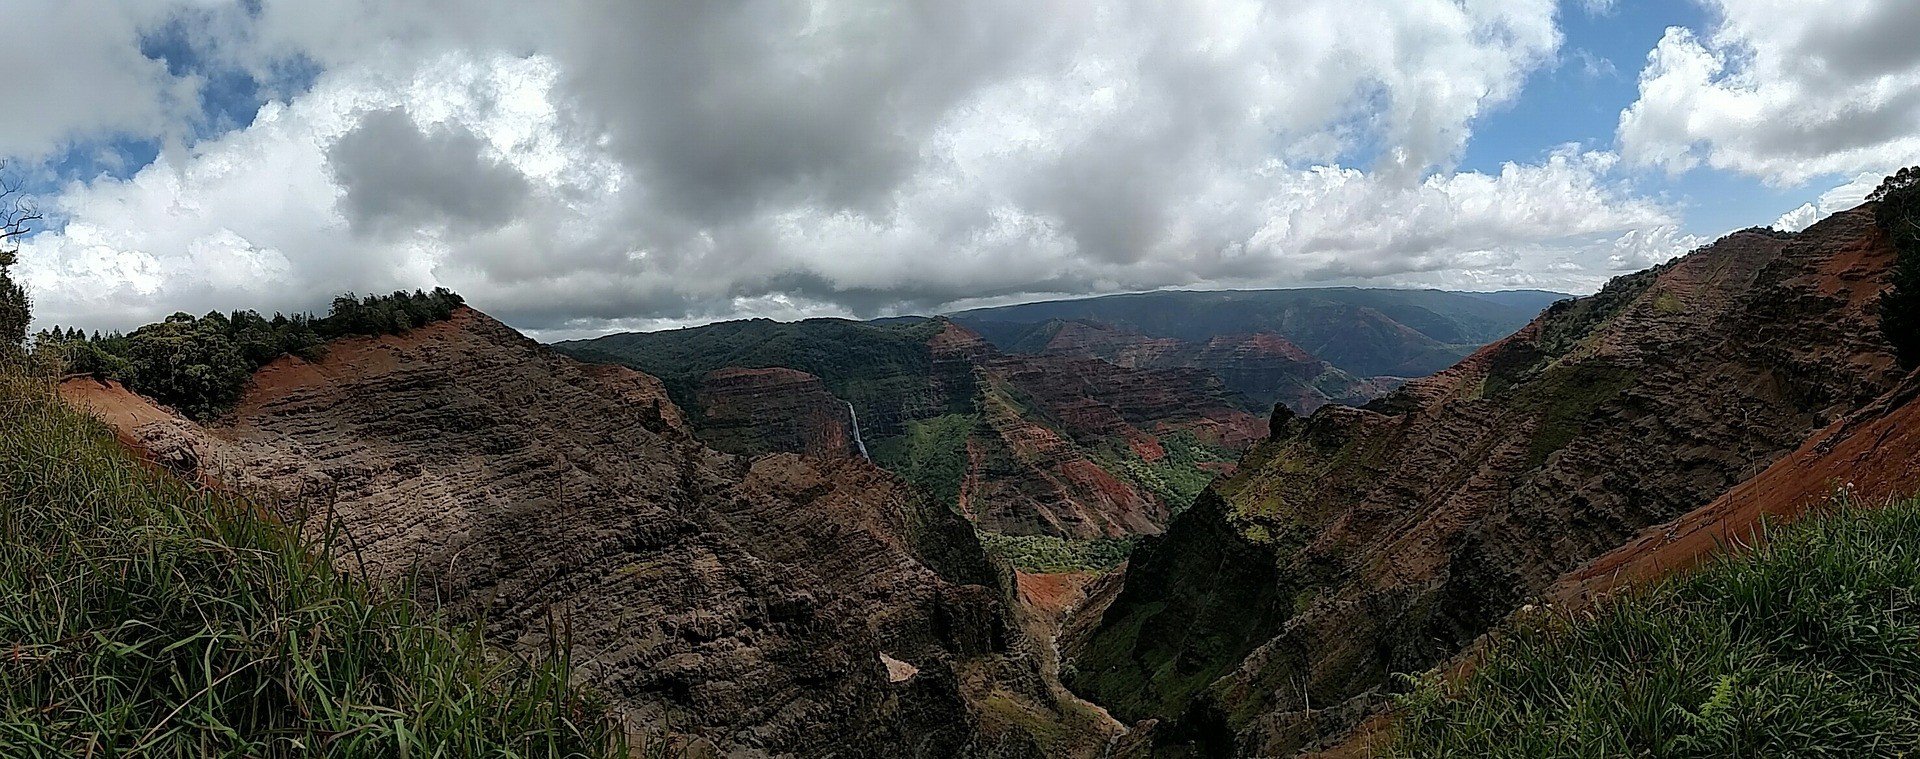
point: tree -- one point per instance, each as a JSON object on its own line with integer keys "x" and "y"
{"x": 187, "y": 363}
{"x": 1897, "y": 211}
{"x": 17, "y": 215}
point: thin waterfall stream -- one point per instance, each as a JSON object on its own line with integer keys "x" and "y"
{"x": 857, "y": 441}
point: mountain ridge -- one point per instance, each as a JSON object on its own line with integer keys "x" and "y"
{"x": 1384, "y": 539}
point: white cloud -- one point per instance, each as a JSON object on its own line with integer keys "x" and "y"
{"x": 1784, "y": 90}
{"x": 1833, "y": 201}
{"x": 75, "y": 71}
{"x": 1798, "y": 218}
{"x": 1641, "y": 248}
{"x": 655, "y": 164}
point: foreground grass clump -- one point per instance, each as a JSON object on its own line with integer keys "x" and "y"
{"x": 1806, "y": 646}
{"x": 139, "y": 617}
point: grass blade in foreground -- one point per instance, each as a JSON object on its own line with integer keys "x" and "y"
{"x": 1807, "y": 646}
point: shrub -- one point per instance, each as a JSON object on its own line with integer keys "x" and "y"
{"x": 188, "y": 364}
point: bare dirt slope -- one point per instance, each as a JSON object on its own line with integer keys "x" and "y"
{"x": 752, "y": 607}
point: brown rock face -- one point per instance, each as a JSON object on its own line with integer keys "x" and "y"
{"x": 755, "y": 609}
{"x": 1872, "y": 457}
{"x": 754, "y": 411}
{"x": 1263, "y": 368}
{"x": 1362, "y": 542}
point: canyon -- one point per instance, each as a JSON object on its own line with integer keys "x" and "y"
{"x": 1065, "y": 446}
{"x": 1356, "y": 543}
{"x": 739, "y": 578}
{"x": 784, "y": 605}
{"x": 1072, "y": 429}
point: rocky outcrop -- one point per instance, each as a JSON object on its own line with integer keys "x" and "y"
{"x": 755, "y": 411}
{"x": 1361, "y": 542}
{"x": 1023, "y": 478}
{"x": 750, "y": 608}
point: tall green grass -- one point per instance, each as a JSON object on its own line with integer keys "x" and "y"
{"x": 1807, "y": 646}
{"x": 142, "y": 617}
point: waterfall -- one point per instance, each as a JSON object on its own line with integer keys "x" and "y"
{"x": 857, "y": 441}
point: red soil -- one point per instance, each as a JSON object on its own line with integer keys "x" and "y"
{"x": 1053, "y": 595}
{"x": 112, "y": 403}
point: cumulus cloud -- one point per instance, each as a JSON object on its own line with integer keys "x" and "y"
{"x": 1833, "y": 201}
{"x": 1783, "y": 90}
{"x": 642, "y": 164}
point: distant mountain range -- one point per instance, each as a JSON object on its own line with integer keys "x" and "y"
{"x": 1366, "y": 333}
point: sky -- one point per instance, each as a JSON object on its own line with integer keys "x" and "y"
{"x": 584, "y": 166}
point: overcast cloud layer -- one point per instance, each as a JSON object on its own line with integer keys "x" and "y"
{"x": 597, "y": 165}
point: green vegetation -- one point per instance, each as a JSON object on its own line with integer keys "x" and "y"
{"x": 1177, "y": 478}
{"x": 932, "y": 455}
{"x": 1807, "y": 646}
{"x": 17, "y": 215}
{"x": 1568, "y": 395}
{"x": 145, "y": 617}
{"x": 1898, "y": 213}
{"x": 1198, "y": 600}
{"x": 199, "y": 365}
{"x": 1047, "y": 554}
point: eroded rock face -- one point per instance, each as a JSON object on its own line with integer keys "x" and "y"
{"x": 1262, "y": 368}
{"x": 1362, "y": 542}
{"x": 755, "y": 411}
{"x": 751, "y": 607}
{"x": 1869, "y": 457}
{"x": 1031, "y": 465}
